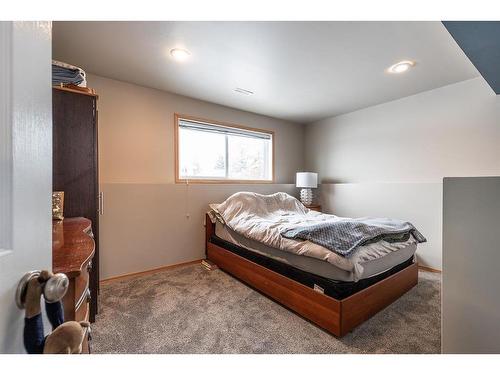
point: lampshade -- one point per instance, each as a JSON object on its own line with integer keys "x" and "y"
{"x": 307, "y": 180}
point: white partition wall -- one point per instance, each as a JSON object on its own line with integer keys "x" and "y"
{"x": 471, "y": 265}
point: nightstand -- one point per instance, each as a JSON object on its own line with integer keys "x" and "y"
{"x": 314, "y": 207}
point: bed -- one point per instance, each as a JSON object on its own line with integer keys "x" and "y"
{"x": 333, "y": 294}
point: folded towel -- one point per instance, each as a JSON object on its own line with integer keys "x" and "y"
{"x": 64, "y": 65}
{"x": 66, "y": 73}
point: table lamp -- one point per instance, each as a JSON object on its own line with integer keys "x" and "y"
{"x": 306, "y": 181}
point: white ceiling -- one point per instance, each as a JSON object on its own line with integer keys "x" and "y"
{"x": 299, "y": 71}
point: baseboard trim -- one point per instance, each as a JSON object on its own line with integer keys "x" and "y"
{"x": 172, "y": 266}
{"x": 148, "y": 272}
{"x": 429, "y": 269}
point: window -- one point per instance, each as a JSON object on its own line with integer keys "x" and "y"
{"x": 210, "y": 151}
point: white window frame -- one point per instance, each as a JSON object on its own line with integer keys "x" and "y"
{"x": 210, "y": 180}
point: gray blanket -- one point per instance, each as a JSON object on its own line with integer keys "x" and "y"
{"x": 346, "y": 235}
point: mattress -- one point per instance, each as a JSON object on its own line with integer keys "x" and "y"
{"x": 371, "y": 268}
{"x": 263, "y": 218}
{"x": 332, "y": 288}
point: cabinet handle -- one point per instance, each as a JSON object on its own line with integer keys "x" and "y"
{"x": 89, "y": 296}
{"x": 90, "y": 233}
{"x": 101, "y": 203}
{"x": 89, "y": 267}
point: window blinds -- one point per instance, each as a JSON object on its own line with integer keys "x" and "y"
{"x": 220, "y": 129}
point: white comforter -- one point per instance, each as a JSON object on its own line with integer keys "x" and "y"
{"x": 263, "y": 217}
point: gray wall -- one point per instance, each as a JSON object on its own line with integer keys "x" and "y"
{"x": 145, "y": 223}
{"x": 386, "y": 160}
{"x": 146, "y": 226}
{"x": 471, "y": 257}
{"x": 393, "y": 156}
{"x": 136, "y": 132}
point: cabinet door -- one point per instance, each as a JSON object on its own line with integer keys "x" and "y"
{"x": 75, "y": 164}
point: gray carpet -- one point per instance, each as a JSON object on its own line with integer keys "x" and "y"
{"x": 192, "y": 310}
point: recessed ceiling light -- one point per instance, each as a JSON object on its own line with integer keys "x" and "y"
{"x": 180, "y": 54}
{"x": 243, "y": 91}
{"x": 401, "y": 66}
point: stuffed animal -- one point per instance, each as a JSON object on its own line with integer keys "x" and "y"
{"x": 66, "y": 338}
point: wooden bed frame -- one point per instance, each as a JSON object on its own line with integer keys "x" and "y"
{"x": 338, "y": 317}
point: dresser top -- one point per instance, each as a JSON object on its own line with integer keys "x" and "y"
{"x": 72, "y": 246}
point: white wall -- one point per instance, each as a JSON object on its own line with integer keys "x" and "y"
{"x": 406, "y": 147}
{"x": 419, "y": 203}
{"x": 470, "y": 303}
{"x": 144, "y": 225}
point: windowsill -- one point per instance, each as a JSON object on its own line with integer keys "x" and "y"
{"x": 226, "y": 182}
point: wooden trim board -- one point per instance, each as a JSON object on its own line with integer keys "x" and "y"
{"x": 83, "y": 91}
{"x": 429, "y": 269}
{"x": 148, "y": 272}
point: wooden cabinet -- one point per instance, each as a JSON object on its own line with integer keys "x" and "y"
{"x": 75, "y": 166}
{"x": 73, "y": 249}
